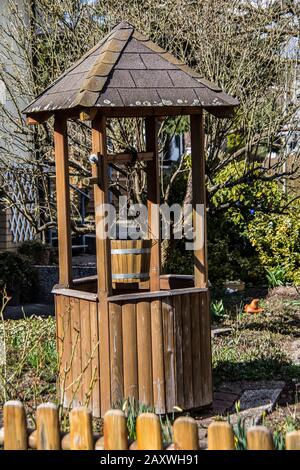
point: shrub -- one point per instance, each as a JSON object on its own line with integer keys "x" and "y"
{"x": 17, "y": 275}
{"x": 38, "y": 252}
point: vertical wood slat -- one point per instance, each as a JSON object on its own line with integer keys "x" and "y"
{"x": 81, "y": 433}
{"x": 158, "y": 373}
{"x": 292, "y": 440}
{"x": 86, "y": 353}
{"x": 144, "y": 353}
{"x": 179, "y": 351}
{"x": 185, "y": 431}
{"x": 64, "y": 312}
{"x": 169, "y": 351}
{"x": 59, "y": 341}
{"x": 130, "y": 365}
{"x": 220, "y": 436}
{"x": 116, "y": 352}
{"x": 15, "y": 428}
{"x": 196, "y": 349}
{"x": 148, "y": 432}
{"x": 259, "y": 438}
{"x": 47, "y": 427}
{"x": 115, "y": 431}
{"x": 187, "y": 351}
{"x": 199, "y": 195}
{"x": 75, "y": 354}
{"x": 206, "y": 354}
{"x": 95, "y": 359}
{"x": 153, "y": 195}
{"x": 63, "y": 201}
{"x": 100, "y": 172}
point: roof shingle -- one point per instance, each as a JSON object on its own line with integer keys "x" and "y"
{"x": 127, "y": 69}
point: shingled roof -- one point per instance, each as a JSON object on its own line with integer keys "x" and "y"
{"x": 125, "y": 69}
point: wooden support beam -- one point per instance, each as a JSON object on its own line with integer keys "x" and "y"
{"x": 199, "y": 197}
{"x": 63, "y": 201}
{"x": 153, "y": 194}
{"x": 35, "y": 119}
{"x": 128, "y": 158}
{"x": 100, "y": 174}
{"x": 88, "y": 114}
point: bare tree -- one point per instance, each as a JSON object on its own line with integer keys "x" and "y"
{"x": 243, "y": 46}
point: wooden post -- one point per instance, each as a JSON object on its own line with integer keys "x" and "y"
{"x": 220, "y": 436}
{"x": 81, "y": 432}
{"x": 115, "y": 431}
{"x": 148, "y": 432}
{"x": 153, "y": 195}
{"x": 47, "y": 424}
{"x": 153, "y": 201}
{"x": 185, "y": 432}
{"x": 63, "y": 201}
{"x": 100, "y": 175}
{"x": 15, "y": 430}
{"x": 199, "y": 196}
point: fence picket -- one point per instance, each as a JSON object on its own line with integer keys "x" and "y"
{"x": 292, "y": 440}
{"x": 15, "y": 428}
{"x": 81, "y": 433}
{"x": 15, "y": 435}
{"x": 185, "y": 432}
{"x": 220, "y": 436}
{"x": 47, "y": 427}
{"x": 115, "y": 431}
{"x": 148, "y": 432}
{"x": 259, "y": 438}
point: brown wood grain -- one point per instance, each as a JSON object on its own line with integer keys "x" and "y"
{"x": 95, "y": 351}
{"x": 199, "y": 195}
{"x": 153, "y": 201}
{"x": 47, "y": 427}
{"x": 63, "y": 201}
{"x": 100, "y": 172}
{"x": 75, "y": 355}
{"x": 116, "y": 353}
{"x": 130, "y": 350}
{"x": 187, "y": 352}
{"x": 158, "y": 371}
{"x": 144, "y": 353}
{"x": 86, "y": 353}
{"x": 15, "y": 428}
{"x": 178, "y": 333}
{"x": 196, "y": 349}
{"x": 169, "y": 353}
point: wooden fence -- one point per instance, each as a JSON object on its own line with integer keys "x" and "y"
{"x": 47, "y": 436}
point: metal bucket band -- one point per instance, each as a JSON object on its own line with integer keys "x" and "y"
{"x": 131, "y": 276}
{"x": 129, "y": 251}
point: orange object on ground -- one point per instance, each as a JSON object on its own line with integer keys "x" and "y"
{"x": 253, "y": 307}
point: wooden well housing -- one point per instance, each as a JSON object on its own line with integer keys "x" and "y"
{"x": 114, "y": 341}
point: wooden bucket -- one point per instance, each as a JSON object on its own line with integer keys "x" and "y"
{"x": 130, "y": 260}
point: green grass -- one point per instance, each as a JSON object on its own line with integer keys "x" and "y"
{"x": 258, "y": 346}
{"x": 30, "y": 370}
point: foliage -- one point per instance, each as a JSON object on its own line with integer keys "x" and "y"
{"x": 239, "y": 429}
{"x": 276, "y": 238}
{"x": 39, "y": 253}
{"x": 132, "y": 409}
{"x": 252, "y": 227}
{"x": 275, "y": 277}
{"x": 30, "y": 369}
{"x": 218, "y": 311}
{"x": 17, "y": 274}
